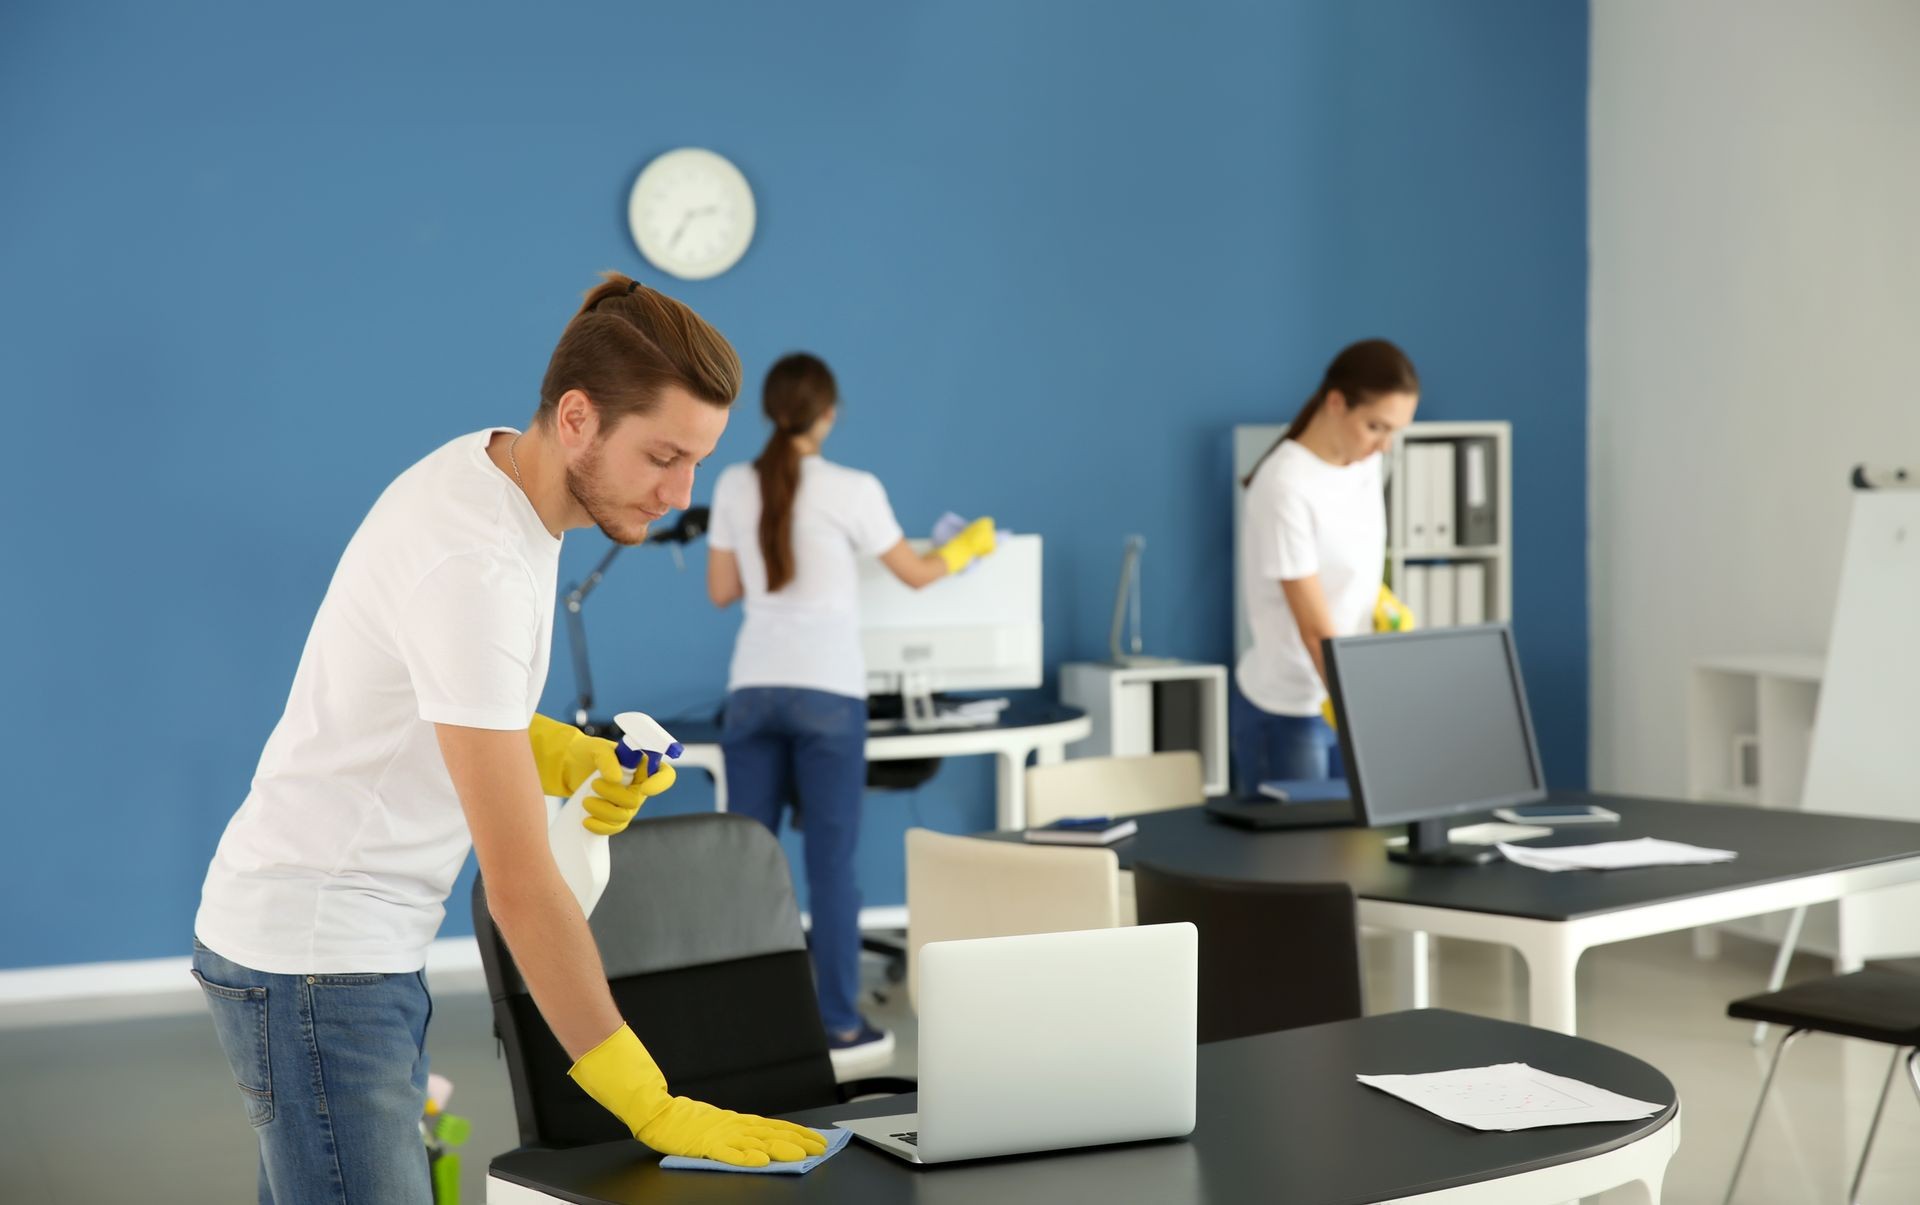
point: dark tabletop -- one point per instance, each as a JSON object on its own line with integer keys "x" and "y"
{"x": 1280, "y": 1118}
{"x": 1023, "y": 711}
{"x": 1774, "y": 845}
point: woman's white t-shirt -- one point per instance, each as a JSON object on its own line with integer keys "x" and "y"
{"x": 1303, "y": 517}
{"x": 440, "y": 612}
{"x": 808, "y": 633}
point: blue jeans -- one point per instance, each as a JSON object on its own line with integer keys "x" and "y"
{"x": 1303, "y": 748}
{"x": 332, "y": 1073}
{"x": 808, "y": 749}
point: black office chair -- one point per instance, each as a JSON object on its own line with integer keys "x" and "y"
{"x": 1272, "y": 955}
{"x": 703, "y": 948}
{"x": 1874, "y": 1005}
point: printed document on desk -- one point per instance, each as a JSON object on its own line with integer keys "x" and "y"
{"x": 1510, "y": 1096}
{"x": 1615, "y": 855}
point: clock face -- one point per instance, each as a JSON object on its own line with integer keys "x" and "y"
{"x": 691, "y": 213}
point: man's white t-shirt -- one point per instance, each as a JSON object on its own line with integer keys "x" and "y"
{"x": 808, "y": 633}
{"x": 440, "y": 612}
{"x": 1302, "y": 517}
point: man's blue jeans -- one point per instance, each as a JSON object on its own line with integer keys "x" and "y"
{"x": 808, "y": 749}
{"x": 1266, "y": 747}
{"x": 332, "y": 1073}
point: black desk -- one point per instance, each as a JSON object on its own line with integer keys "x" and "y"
{"x": 1787, "y": 858}
{"x": 1280, "y": 1118}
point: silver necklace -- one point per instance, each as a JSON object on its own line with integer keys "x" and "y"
{"x": 515, "y": 462}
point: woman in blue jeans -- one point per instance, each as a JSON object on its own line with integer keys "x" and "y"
{"x": 1313, "y": 545}
{"x": 787, "y": 535}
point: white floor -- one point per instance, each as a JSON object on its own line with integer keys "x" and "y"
{"x": 144, "y": 1110}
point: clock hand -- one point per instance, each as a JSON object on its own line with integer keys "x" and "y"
{"x": 681, "y": 228}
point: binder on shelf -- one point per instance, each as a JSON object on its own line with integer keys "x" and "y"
{"x": 1440, "y": 478}
{"x": 1441, "y": 583}
{"x": 1476, "y": 516}
{"x": 1470, "y": 588}
{"x": 1413, "y": 592}
{"x": 1416, "y": 495}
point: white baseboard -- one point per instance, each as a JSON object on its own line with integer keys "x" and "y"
{"x": 160, "y": 987}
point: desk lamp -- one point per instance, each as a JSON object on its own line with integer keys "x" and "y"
{"x": 691, "y": 525}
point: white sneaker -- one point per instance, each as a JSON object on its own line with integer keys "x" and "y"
{"x": 867, "y": 1050}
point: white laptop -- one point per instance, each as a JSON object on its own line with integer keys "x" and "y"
{"x": 1050, "y": 1041}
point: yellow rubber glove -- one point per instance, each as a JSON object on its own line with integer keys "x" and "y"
{"x": 1326, "y": 713}
{"x": 974, "y": 541}
{"x": 1392, "y": 615}
{"x": 622, "y": 1076}
{"x": 567, "y": 757}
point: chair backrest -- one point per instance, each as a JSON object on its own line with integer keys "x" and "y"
{"x": 1114, "y": 786}
{"x": 703, "y": 949}
{"x": 959, "y": 887}
{"x": 1272, "y": 955}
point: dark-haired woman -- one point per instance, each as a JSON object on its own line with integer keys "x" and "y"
{"x": 787, "y": 534}
{"x": 1313, "y": 545}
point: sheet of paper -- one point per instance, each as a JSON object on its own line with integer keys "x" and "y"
{"x": 836, "y": 1138}
{"x": 1510, "y": 1096}
{"x": 1615, "y": 855}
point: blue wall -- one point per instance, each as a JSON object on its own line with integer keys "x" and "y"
{"x": 256, "y": 262}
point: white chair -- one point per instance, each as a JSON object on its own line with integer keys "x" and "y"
{"x": 962, "y": 887}
{"x": 1115, "y": 786}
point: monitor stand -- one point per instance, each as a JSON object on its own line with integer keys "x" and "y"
{"x": 1427, "y": 845}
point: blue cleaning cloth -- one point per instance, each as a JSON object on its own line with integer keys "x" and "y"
{"x": 835, "y": 1140}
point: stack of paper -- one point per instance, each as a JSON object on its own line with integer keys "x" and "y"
{"x": 1510, "y": 1096}
{"x": 1614, "y": 855}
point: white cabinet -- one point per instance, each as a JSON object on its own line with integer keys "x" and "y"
{"x": 1749, "y": 736}
{"x": 1151, "y": 709}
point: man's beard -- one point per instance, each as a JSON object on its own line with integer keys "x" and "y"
{"x": 584, "y": 480}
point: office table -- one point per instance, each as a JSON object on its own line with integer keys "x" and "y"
{"x": 1788, "y": 858}
{"x": 1280, "y": 1118}
{"x": 1027, "y": 727}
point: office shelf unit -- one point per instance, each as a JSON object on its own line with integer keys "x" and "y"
{"x": 1749, "y": 736}
{"x": 1413, "y": 554}
{"x": 1152, "y": 709}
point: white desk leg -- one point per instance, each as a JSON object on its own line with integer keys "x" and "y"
{"x": 505, "y": 1192}
{"x": 1551, "y": 960}
{"x": 1050, "y": 754}
{"x": 1408, "y": 956}
{"x": 1010, "y": 793}
{"x": 1848, "y": 957}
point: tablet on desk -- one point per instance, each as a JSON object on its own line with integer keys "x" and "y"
{"x": 1557, "y": 813}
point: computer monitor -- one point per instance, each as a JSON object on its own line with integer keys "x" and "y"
{"x": 1432, "y": 724}
{"x": 979, "y": 630}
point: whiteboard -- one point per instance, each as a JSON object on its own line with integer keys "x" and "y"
{"x": 1865, "y": 758}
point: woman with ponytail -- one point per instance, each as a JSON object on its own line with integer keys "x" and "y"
{"x": 1313, "y": 546}
{"x": 787, "y": 534}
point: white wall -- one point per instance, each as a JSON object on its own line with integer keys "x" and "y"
{"x": 1755, "y": 331}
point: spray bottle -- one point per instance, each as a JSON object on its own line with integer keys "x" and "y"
{"x": 582, "y": 855}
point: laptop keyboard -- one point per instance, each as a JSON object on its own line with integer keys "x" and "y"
{"x": 911, "y": 1137}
